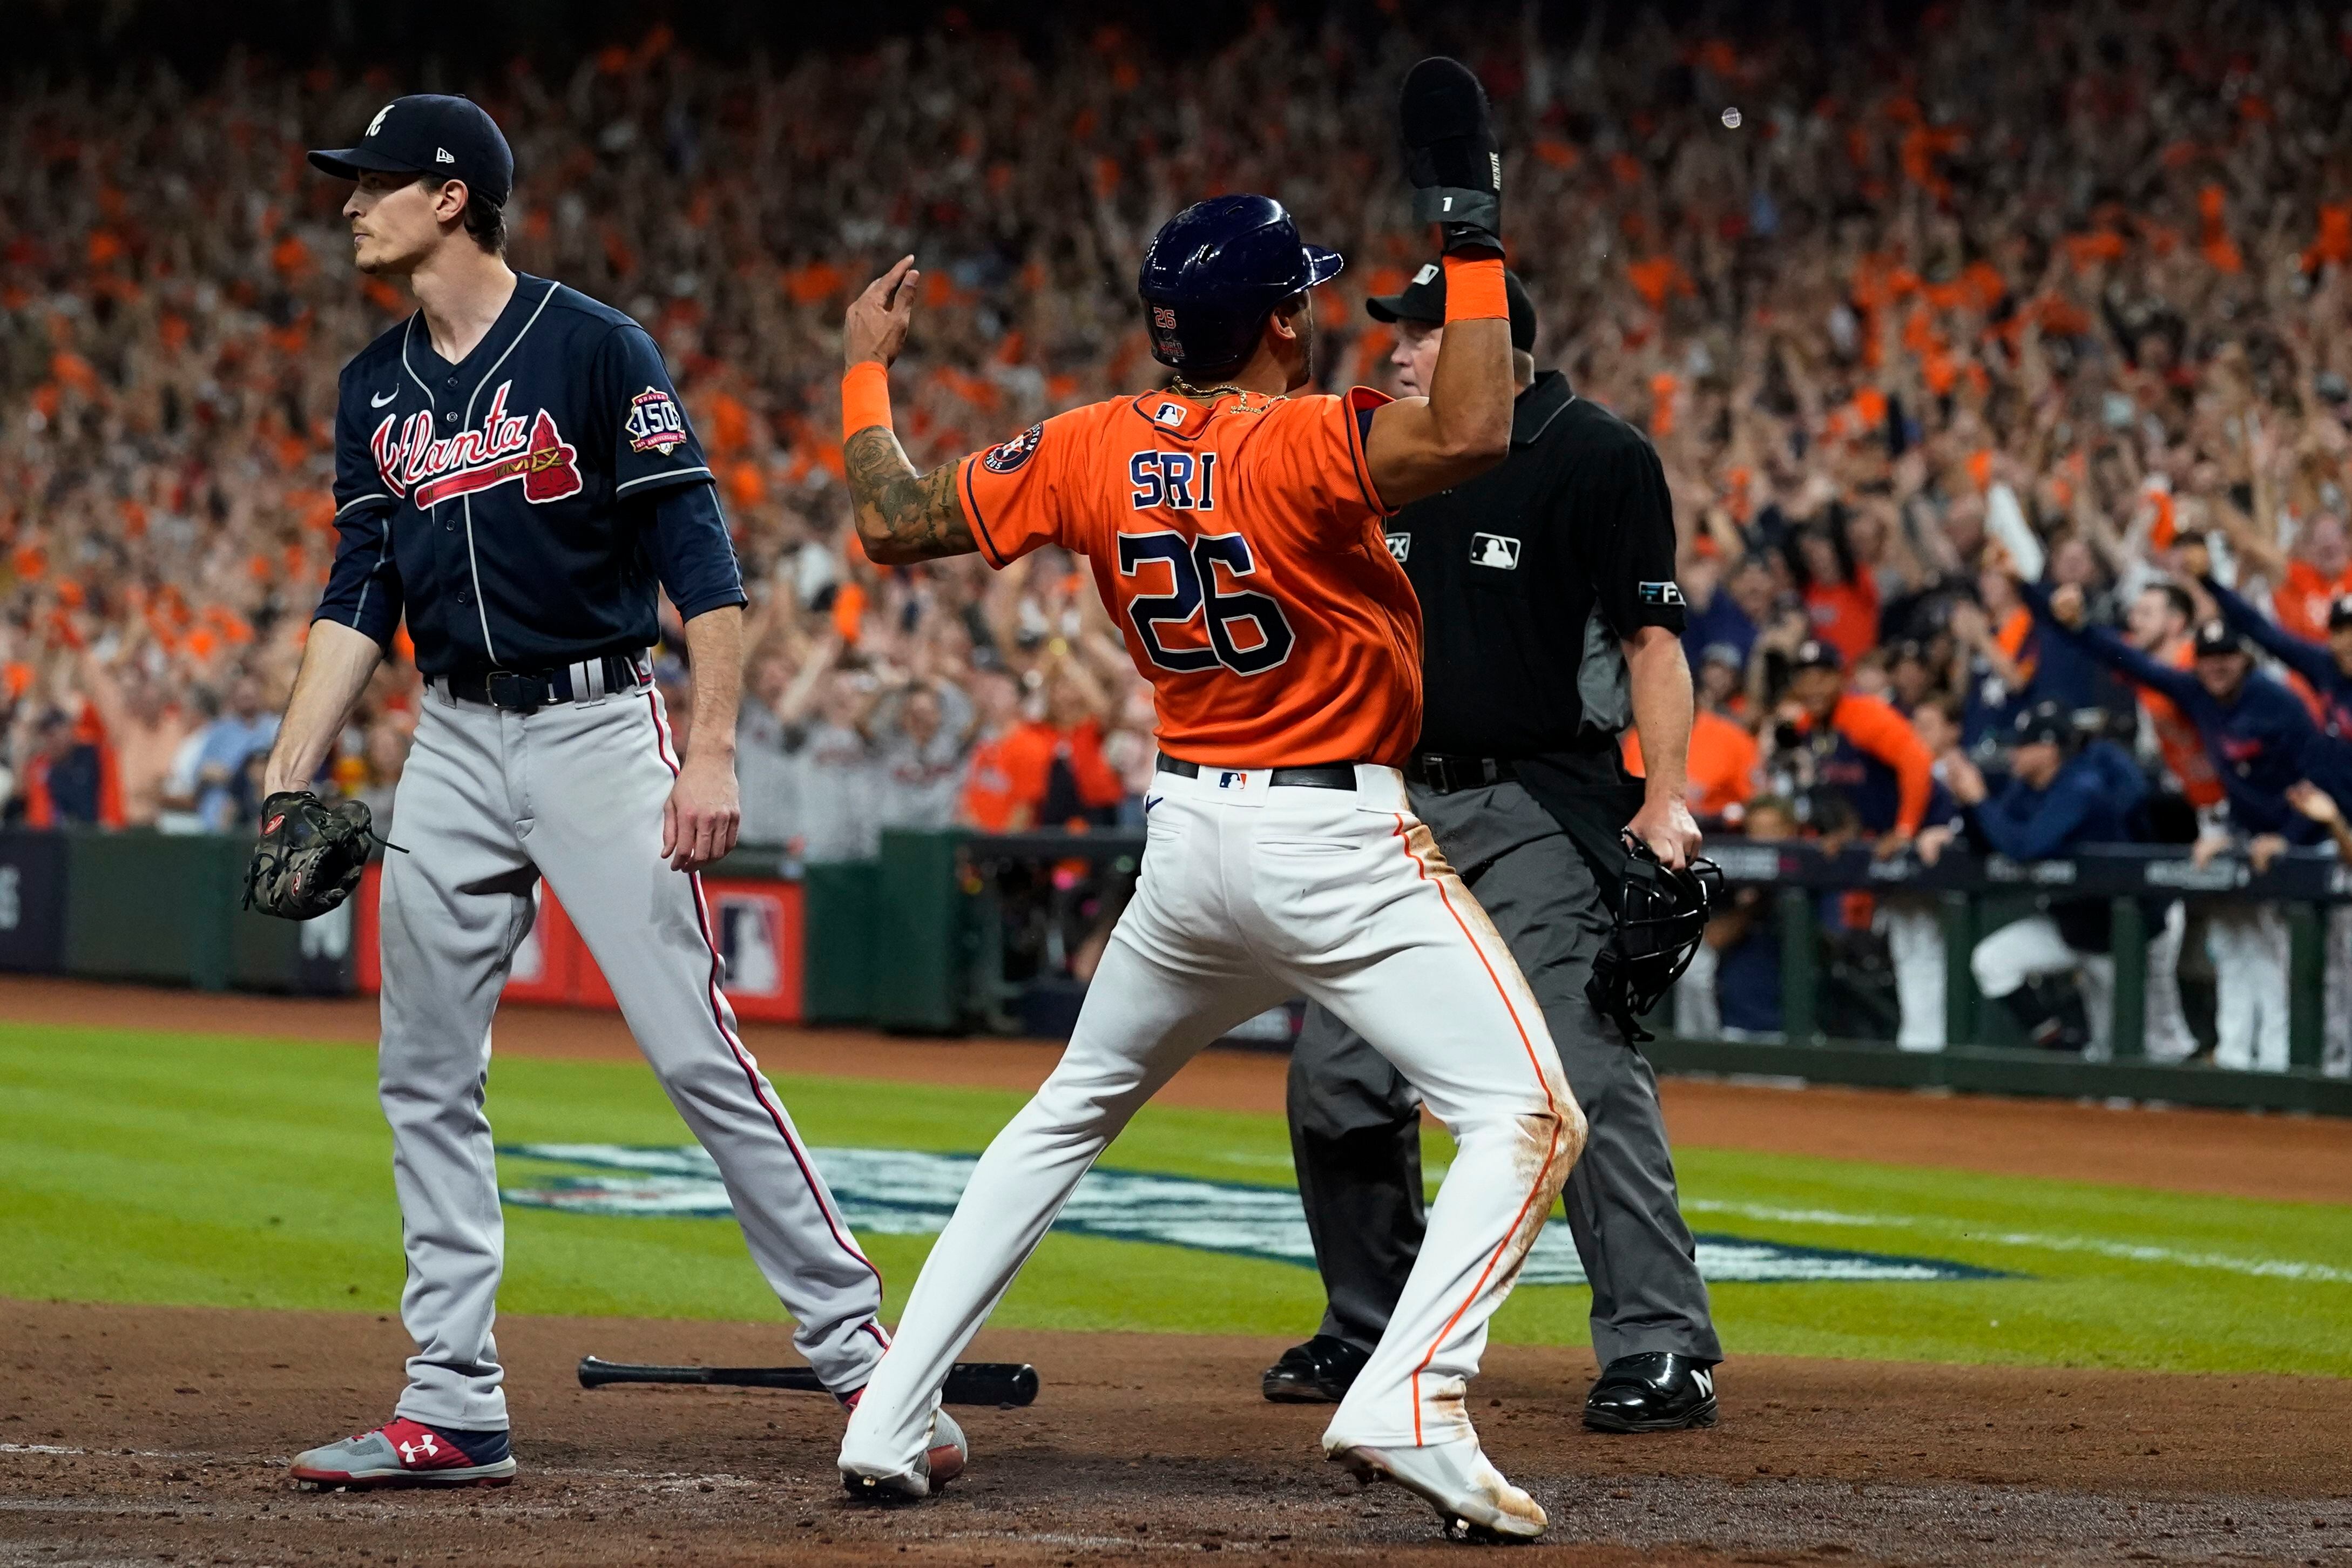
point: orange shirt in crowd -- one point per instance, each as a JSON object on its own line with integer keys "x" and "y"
{"x": 1722, "y": 766}
{"x": 2303, "y": 599}
{"x": 1845, "y": 615}
{"x": 989, "y": 803}
{"x": 1239, "y": 547}
{"x": 1027, "y": 755}
{"x": 1876, "y": 735}
{"x": 2183, "y": 748}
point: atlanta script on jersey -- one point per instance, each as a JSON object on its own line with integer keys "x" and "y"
{"x": 503, "y": 503}
{"x": 1239, "y": 547}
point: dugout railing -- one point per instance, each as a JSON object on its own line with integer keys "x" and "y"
{"x": 950, "y": 932}
{"x": 1975, "y": 897}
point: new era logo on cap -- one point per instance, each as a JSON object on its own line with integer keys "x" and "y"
{"x": 1428, "y": 274}
{"x": 443, "y": 155}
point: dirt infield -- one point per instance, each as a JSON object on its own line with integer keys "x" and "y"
{"x": 146, "y": 1435}
{"x": 2234, "y": 1153}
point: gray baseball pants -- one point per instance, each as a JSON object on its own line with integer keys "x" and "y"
{"x": 1355, "y": 1124}
{"x": 490, "y": 802}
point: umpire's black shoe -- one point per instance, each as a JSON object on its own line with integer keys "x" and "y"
{"x": 1320, "y": 1371}
{"x": 1658, "y": 1391}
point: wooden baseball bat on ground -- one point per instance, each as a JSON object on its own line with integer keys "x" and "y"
{"x": 969, "y": 1383}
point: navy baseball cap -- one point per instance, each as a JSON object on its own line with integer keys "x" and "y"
{"x": 430, "y": 133}
{"x": 1814, "y": 654}
{"x": 2044, "y": 723}
{"x": 1422, "y": 300}
{"x": 2215, "y": 637}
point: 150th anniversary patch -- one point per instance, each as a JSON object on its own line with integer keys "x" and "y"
{"x": 653, "y": 424}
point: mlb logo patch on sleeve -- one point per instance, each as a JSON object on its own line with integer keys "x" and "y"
{"x": 1661, "y": 593}
{"x": 653, "y": 424}
{"x": 1499, "y": 551}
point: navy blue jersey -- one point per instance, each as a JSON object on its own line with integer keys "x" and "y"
{"x": 2260, "y": 740}
{"x": 2090, "y": 802}
{"x": 2315, "y": 661}
{"x": 520, "y": 507}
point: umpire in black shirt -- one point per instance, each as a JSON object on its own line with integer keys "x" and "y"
{"x": 1550, "y": 620}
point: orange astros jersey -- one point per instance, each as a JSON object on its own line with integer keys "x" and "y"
{"x": 1239, "y": 547}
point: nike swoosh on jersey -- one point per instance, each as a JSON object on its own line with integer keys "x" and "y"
{"x": 387, "y": 397}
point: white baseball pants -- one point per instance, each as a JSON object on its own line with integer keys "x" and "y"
{"x": 2031, "y": 947}
{"x": 2249, "y": 946}
{"x": 1913, "y": 926}
{"x": 2335, "y": 1039}
{"x": 491, "y": 802}
{"x": 2168, "y": 1037}
{"x": 1250, "y": 894}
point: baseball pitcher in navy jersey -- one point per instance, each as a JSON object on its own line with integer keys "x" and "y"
{"x": 514, "y": 475}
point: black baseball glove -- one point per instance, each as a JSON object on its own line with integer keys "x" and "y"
{"x": 309, "y": 855}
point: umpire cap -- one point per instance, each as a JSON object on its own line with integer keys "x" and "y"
{"x": 1215, "y": 271}
{"x": 430, "y": 133}
{"x": 1422, "y": 300}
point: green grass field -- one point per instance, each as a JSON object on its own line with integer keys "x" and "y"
{"x": 196, "y": 1169}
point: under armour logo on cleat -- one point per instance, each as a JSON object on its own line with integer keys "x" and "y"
{"x": 423, "y": 1447}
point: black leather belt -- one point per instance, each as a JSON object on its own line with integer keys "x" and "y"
{"x": 1445, "y": 774}
{"x": 1331, "y": 776}
{"x": 525, "y": 690}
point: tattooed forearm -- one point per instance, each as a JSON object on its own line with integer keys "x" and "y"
{"x": 903, "y": 516}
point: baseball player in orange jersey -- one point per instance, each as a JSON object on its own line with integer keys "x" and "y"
{"x": 1233, "y": 527}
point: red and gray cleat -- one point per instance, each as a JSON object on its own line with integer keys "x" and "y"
{"x": 403, "y": 1453}
{"x": 942, "y": 1462}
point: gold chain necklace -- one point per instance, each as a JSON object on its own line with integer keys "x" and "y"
{"x": 1205, "y": 394}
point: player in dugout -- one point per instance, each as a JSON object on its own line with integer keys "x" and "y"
{"x": 1551, "y": 623}
{"x": 2059, "y": 795}
{"x": 2262, "y": 741}
{"x": 1865, "y": 750}
{"x": 2327, "y": 669}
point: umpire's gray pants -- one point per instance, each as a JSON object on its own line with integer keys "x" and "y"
{"x": 491, "y": 802}
{"x": 1355, "y": 1129}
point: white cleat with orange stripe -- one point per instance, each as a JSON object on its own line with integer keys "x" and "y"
{"x": 1473, "y": 1499}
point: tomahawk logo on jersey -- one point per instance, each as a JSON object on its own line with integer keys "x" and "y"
{"x": 1241, "y": 549}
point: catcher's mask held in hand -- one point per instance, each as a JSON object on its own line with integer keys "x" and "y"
{"x": 309, "y": 855}
{"x": 1660, "y": 919}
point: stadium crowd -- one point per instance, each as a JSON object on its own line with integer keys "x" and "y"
{"x": 1951, "y": 340}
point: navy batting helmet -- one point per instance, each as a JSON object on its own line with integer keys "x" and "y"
{"x": 1213, "y": 274}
